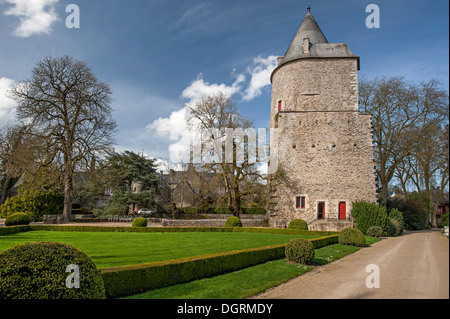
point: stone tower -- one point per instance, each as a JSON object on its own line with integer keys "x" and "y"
{"x": 325, "y": 146}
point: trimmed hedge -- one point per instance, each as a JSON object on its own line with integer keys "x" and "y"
{"x": 233, "y": 221}
{"x": 129, "y": 280}
{"x": 352, "y": 237}
{"x": 14, "y": 230}
{"x": 139, "y": 222}
{"x": 18, "y": 219}
{"x": 180, "y": 229}
{"x": 39, "y": 271}
{"x": 300, "y": 251}
{"x": 298, "y": 224}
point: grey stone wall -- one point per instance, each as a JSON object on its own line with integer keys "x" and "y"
{"x": 246, "y": 222}
{"x": 325, "y": 146}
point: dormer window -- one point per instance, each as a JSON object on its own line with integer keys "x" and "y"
{"x": 305, "y": 46}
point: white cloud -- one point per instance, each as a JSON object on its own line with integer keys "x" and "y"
{"x": 36, "y": 16}
{"x": 260, "y": 73}
{"x": 175, "y": 123}
{"x": 175, "y": 126}
{"x": 7, "y": 105}
{"x": 199, "y": 88}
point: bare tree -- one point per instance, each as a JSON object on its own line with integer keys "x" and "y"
{"x": 215, "y": 118}
{"x": 18, "y": 153}
{"x": 429, "y": 165}
{"x": 400, "y": 108}
{"x": 66, "y": 106}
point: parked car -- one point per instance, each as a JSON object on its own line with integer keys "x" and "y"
{"x": 145, "y": 211}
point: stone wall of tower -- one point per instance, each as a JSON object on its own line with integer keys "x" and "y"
{"x": 316, "y": 85}
{"x": 325, "y": 146}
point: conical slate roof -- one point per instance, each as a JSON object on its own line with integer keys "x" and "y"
{"x": 308, "y": 29}
{"x": 318, "y": 43}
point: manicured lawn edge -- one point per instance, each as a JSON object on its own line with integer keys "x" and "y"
{"x": 13, "y": 230}
{"x": 258, "y": 278}
{"x": 177, "y": 229}
{"x": 129, "y": 280}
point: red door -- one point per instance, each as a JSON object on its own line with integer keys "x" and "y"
{"x": 342, "y": 210}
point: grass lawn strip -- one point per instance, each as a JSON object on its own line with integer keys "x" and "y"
{"x": 250, "y": 281}
{"x": 113, "y": 249}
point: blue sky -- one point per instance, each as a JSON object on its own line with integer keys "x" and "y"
{"x": 160, "y": 55}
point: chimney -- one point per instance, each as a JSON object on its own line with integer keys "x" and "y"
{"x": 280, "y": 59}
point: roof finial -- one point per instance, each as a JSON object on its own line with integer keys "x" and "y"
{"x": 308, "y": 8}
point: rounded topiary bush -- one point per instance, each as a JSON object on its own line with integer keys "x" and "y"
{"x": 233, "y": 221}
{"x": 352, "y": 237}
{"x": 38, "y": 271}
{"x": 298, "y": 224}
{"x": 300, "y": 251}
{"x": 139, "y": 222}
{"x": 18, "y": 219}
{"x": 375, "y": 231}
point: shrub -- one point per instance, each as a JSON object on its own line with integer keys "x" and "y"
{"x": 370, "y": 214}
{"x": 375, "y": 231}
{"x": 413, "y": 214}
{"x": 38, "y": 271}
{"x": 18, "y": 219}
{"x": 300, "y": 251}
{"x": 444, "y": 219}
{"x": 233, "y": 221}
{"x": 139, "y": 222}
{"x": 395, "y": 214}
{"x": 36, "y": 205}
{"x": 352, "y": 237}
{"x": 298, "y": 224}
{"x": 394, "y": 227}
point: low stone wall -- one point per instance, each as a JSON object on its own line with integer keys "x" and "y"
{"x": 330, "y": 225}
{"x": 246, "y": 222}
{"x": 52, "y": 219}
{"x": 242, "y": 216}
{"x": 57, "y": 219}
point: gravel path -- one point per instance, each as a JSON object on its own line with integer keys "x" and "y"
{"x": 412, "y": 266}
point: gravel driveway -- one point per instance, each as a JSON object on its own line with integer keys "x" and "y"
{"x": 412, "y": 266}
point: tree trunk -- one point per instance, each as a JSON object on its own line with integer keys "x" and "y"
{"x": 384, "y": 189}
{"x": 5, "y": 189}
{"x": 68, "y": 190}
{"x": 237, "y": 204}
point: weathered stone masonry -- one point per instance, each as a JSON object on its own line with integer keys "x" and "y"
{"x": 325, "y": 146}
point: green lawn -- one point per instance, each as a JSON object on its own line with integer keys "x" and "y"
{"x": 250, "y": 281}
{"x": 247, "y": 282}
{"x": 111, "y": 249}
{"x": 235, "y": 285}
